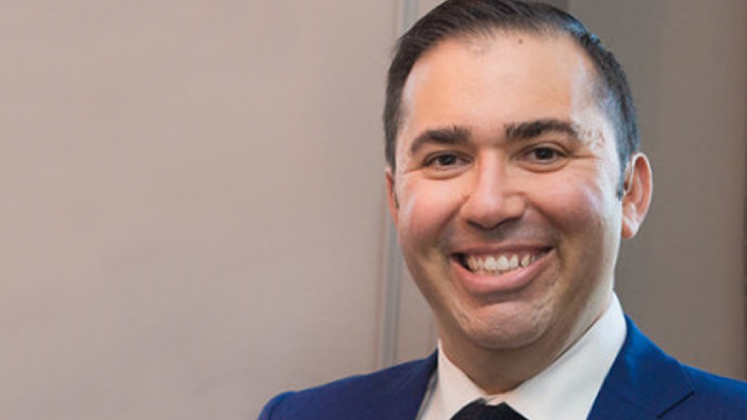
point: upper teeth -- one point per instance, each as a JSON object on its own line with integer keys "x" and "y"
{"x": 499, "y": 264}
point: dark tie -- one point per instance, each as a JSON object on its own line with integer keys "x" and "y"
{"x": 478, "y": 410}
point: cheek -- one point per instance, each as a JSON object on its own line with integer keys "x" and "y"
{"x": 582, "y": 195}
{"x": 568, "y": 204}
{"x": 587, "y": 213}
{"x": 426, "y": 208}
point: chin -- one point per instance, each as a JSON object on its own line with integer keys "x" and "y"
{"x": 505, "y": 329}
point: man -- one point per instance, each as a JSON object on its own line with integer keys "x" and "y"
{"x": 513, "y": 172}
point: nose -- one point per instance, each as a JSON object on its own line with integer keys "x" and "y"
{"x": 492, "y": 198}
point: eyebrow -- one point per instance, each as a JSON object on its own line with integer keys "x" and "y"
{"x": 458, "y": 135}
{"x": 445, "y": 136}
{"x": 533, "y": 129}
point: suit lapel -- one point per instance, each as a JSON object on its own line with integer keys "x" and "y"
{"x": 643, "y": 383}
{"x": 402, "y": 398}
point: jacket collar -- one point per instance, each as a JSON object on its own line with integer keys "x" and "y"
{"x": 643, "y": 381}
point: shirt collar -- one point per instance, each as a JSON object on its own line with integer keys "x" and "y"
{"x": 564, "y": 391}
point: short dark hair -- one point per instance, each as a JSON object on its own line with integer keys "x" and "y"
{"x": 459, "y": 18}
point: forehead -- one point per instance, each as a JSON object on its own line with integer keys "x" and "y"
{"x": 498, "y": 79}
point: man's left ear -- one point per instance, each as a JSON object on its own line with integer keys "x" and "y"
{"x": 637, "y": 189}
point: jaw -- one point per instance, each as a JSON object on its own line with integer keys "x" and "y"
{"x": 511, "y": 325}
{"x": 502, "y": 345}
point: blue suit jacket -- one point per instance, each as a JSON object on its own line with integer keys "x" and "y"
{"x": 643, "y": 383}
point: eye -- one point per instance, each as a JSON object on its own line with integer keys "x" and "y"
{"x": 544, "y": 157}
{"x": 443, "y": 160}
{"x": 544, "y": 154}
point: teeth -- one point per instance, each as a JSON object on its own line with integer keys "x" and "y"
{"x": 526, "y": 260}
{"x": 499, "y": 264}
{"x": 490, "y": 264}
{"x": 503, "y": 263}
{"x": 514, "y": 262}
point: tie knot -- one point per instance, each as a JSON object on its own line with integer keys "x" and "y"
{"x": 478, "y": 410}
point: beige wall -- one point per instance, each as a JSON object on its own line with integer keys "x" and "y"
{"x": 192, "y": 208}
{"x": 191, "y": 203}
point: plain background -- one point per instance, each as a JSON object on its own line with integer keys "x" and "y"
{"x": 193, "y": 217}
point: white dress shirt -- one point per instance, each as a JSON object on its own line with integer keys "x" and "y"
{"x": 564, "y": 391}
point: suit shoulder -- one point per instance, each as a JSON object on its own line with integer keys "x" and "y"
{"x": 367, "y": 383}
{"x": 712, "y": 385}
{"x": 339, "y": 398}
{"x": 715, "y": 396}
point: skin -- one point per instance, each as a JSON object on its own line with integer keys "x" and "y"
{"x": 503, "y": 150}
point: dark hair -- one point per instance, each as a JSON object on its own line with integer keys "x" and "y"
{"x": 458, "y": 18}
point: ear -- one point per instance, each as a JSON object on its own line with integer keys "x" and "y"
{"x": 637, "y": 191}
{"x": 391, "y": 195}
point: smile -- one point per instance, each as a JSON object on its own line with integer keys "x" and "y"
{"x": 498, "y": 264}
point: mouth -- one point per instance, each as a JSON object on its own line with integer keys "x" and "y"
{"x": 499, "y": 263}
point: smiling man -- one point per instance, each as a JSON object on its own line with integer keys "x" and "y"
{"x": 505, "y": 196}
{"x": 513, "y": 173}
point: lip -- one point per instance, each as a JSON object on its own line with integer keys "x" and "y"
{"x": 512, "y": 281}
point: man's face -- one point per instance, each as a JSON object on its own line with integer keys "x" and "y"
{"x": 505, "y": 192}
